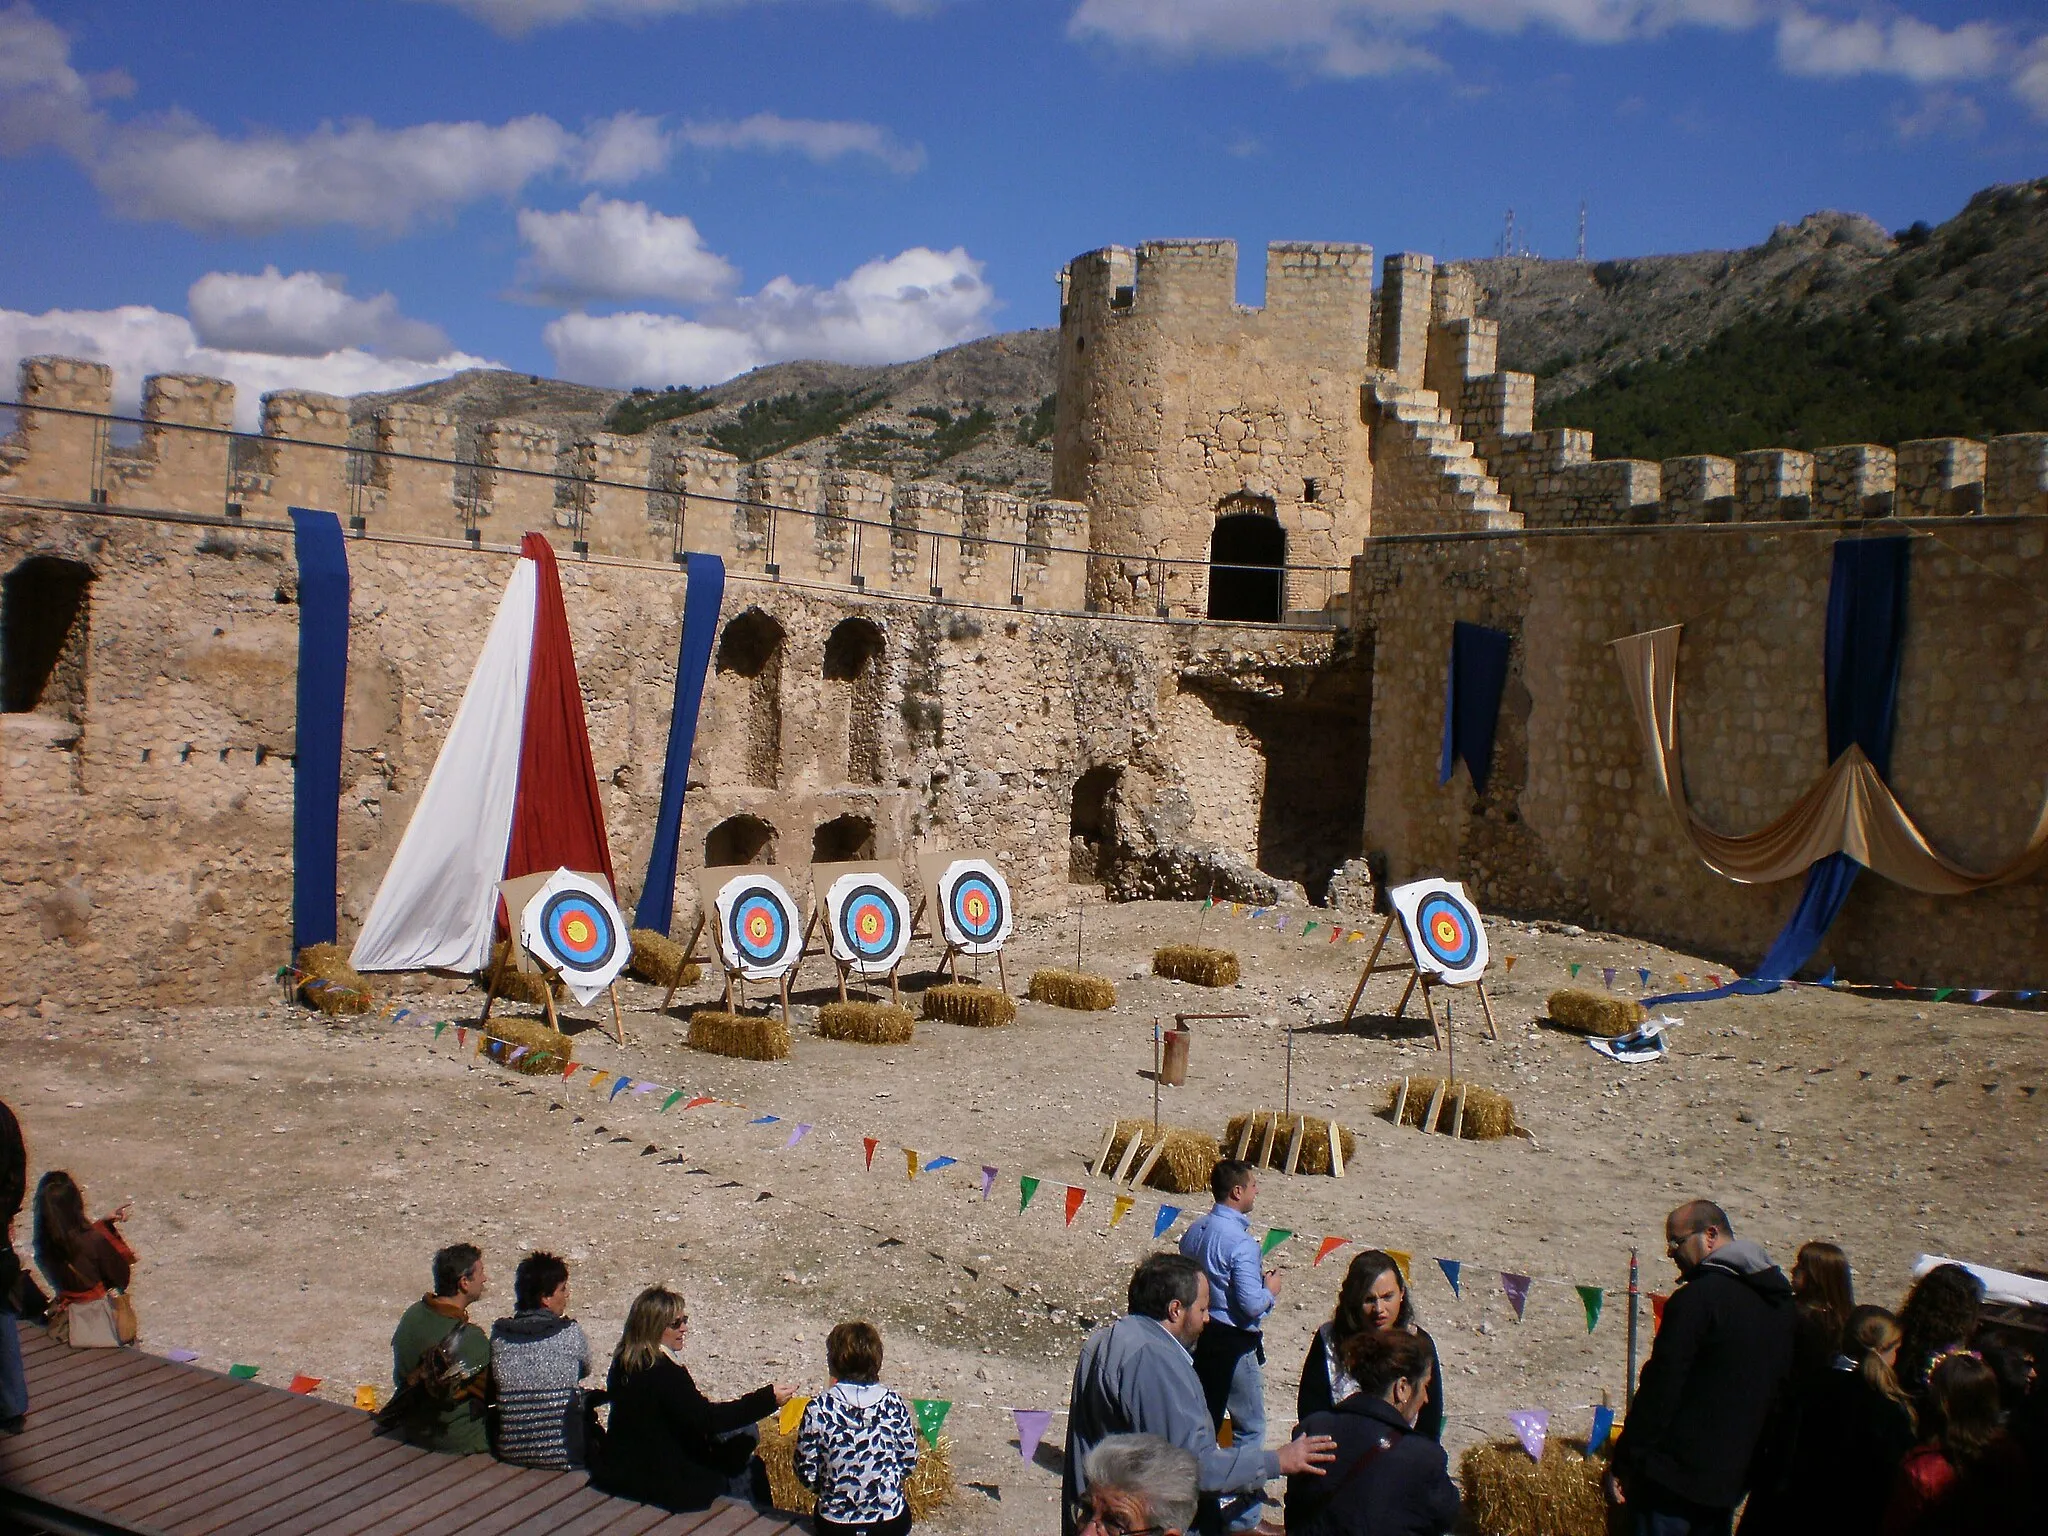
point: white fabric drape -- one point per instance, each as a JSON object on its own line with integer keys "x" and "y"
{"x": 439, "y": 900}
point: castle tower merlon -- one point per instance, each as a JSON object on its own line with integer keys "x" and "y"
{"x": 1406, "y": 283}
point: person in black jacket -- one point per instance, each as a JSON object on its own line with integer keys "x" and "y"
{"x": 19, "y": 1295}
{"x": 667, "y": 1444}
{"x": 1714, "y": 1375}
{"x": 1374, "y": 1296}
{"x": 1388, "y": 1479}
{"x": 1857, "y": 1428}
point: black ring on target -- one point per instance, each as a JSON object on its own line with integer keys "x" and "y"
{"x": 580, "y": 934}
{"x": 758, "y": 928}
{"x": 1446, "y": 928}
{"x": 975, "y": 905}
{"x": 870, "y": 920}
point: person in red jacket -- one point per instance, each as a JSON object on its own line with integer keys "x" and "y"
{"x": 83, "y": 1259}
{"x": 1966, "y": 1477}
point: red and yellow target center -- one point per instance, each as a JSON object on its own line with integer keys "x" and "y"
{"x": 760, "y": 927}
{"x": 578, "y": 932}
{"x": 868, "y": 924}
{"x": 1447, "y": 930}
{"x": 976, "y": 907}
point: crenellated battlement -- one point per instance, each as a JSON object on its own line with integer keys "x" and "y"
{"x": 1187, "y": 279}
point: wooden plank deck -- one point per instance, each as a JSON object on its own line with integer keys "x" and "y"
{"x": 120, "y": 1441}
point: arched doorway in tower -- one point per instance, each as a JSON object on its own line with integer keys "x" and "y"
{"x": 747, "y": 681}
{"x": 1247, "y": 557}
{"x": 853, "y": 655}
{"x": 739, "y": 840}
{"x": 44, "y": 609}
{"x": 1091, "y": 824}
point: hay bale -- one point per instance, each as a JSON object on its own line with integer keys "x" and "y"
{"x": 515, "y": 985}
{"x": 969, "y": 1003}
{"x": 330, "y": 983}
{"x": 1315, "y": 1141}
{"x": 867, "y": 1023}
{"x": 1507, "y": 1494}
{"x": 1185, "y": 1162}
{"x": 927, "y": 1488}
{"x": 1589, "y": 1013}
{"x": 1191, "y": 962}
{"x": 1072, "y": 989}
{"x": 749, "y": 1036}
{"x": 660, "y": 961}
{"x": 546, "y": 1050}
{"x": 1488, "y": 1115}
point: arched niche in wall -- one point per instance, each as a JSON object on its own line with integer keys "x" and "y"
{"x": 1091, "y": 824}
{"x": 45, "y": 610}
{"x": 843, "y": 838}
{"x": 853, "y": 656}
{"x": 750, "y": 654}
{"x": 1247, "y": 560}
{"x": 739, "y": 840}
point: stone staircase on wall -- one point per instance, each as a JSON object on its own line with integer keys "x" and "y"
{"x": 1426, "y": 477}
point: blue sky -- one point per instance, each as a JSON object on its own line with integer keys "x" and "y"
{"x": 356, "y": 195}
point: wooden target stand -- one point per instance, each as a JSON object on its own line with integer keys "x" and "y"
{"x": 822, "y": 878}
{"x": 516, "y": 893}
{"x": 1416, "y": 976}
{"x": 930, "y": 867}
{"x": 709, "y": 883}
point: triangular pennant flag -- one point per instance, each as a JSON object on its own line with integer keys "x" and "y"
{"x": 1978, "y": 994}
{"x": 1274, "y": 1237}
{"x": 618, "y": 1088}
{"x": 1532, "y": 1428}
{"x": 940, "y": 1162}
{"x": 1401, "y": 1262}
{"x": 1336, "y": 934}
{"x": 1679, "y": 977}
{"x": 1657, "y": 1310}
{"x": 1208, "y": 902}
{"x": 1517, "y": 1288}
{"x": 1829, "y": 979}
{"x": 568, "y": 1070}
{"x": 304, "y": 1384}
{"x": 1075, "y": 1196}
{"x": 791, "y": 1414}
{"x": 1713, "y": 978}
{"x": 244, "y": 1372}
{"x": 1941, "y": 994}
{"x": 1328, "y": 1246}
{"x": 1308, "y": 928}
{"x": 366, "y": 1398}
{"x": 670, "y": 1101}
{"x": 700, "y": 1101}
{"x": 867, "y": 1146}
{"x": 1452, "y": 1268}
{"x": 461, "y": 1035}
{"x": 1031, "y": 1427}
{"x": 1644, "y": 972}
{"x": 931, "y": 1413}
{"x": 182, "y": 1356}
{"x": 1603, "y": 1426}
{"x": 518, "y": 1053}
{"x": 1120, "y": 1210}
{"x": 643, "y": 1086}
{"x": 1028, "y": 1186}
{"x": 2024, "y": 993}
{"x": 910, "y": 1163}
{"x": 1508, "y": 961}
{"x": 1168, "y": 1215}
{"x": 598, "y": 1080}
{"x": 439, "y": 1025}
{"x": 1574, "y": 969}
{"x": 1607, "y": 973}
{"x": 798, "y": 1134}
{"x": 1282, "y": 924}
{"x": 988, "y": 1179}
{"x": 1594, "y": 1298}
{"x": 764, "y": 1119}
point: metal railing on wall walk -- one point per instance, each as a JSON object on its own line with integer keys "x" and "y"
{"x": 1178, "y": 584}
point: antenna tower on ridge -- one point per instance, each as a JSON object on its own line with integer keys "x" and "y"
{"x": 1582, "y": 229}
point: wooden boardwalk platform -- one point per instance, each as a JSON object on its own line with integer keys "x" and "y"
{"x": 120, "y": 1441}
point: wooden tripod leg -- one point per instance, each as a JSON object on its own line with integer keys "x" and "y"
{"x": 1486, "y": 1007}
{"x": 1407, "y": 992}
{"x": 1429, "y": 1007}
{"x": 1002, "y": 976}
{"x": 547, "y": 996}
{"x": 783, "y": 981}
{"x": 689, "y": 953}
{"x": 842, "y": 980}
{"x": 618, "y": 1019}
{"x": 725, "y": 1003}
{"x": 491, "y": 991}
{"x": 895, "y": 993}
{"x": 1366, "y": 975}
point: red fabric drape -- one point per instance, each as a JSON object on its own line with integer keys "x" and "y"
{"x": 558, "y": 819}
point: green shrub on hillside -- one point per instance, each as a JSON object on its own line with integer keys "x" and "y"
{"x": 765, "y": 428}
{"x": 645, "y": 408}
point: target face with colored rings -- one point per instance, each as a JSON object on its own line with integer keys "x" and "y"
{"x": 574, "y": 928}
{"x": 758, "y": 927}
{"x": 1443, "y": 929}
{"x": 869, "y": 922}
{"x": 974, "y": 907}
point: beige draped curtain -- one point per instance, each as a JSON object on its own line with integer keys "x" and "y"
{"x": 1848, "y": 810}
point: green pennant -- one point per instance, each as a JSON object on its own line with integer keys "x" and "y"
{"x": 244, "y": 1372}
{"x": 1575, "y": 970}
{"x": 1307, "y": 929}
{"x": 1941, "y": 993}
{"x": 931, "y": 1413}
{"x": 669, "y": 1102}
{"x": 1030, "y": 1187}
{"x": 1274, "y": 1237}
{"x": 1594, "y": 1298}
{"x": 439, "y": 1025}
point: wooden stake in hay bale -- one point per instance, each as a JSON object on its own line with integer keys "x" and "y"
{"x": 751, "y": 1037}
{"x": 964, "y": 1002}
{"x": 331, "y": 984}
{"x": 660, "y": 961}
{"x": 1185, "y": 1160}
{"x": 515, "y": 985}
{"x": 1507, "y": 1494}
{"x": 1588, "y": 1013}
{"x": 1191, "y": 962}
{"x": 546, "y": 1050}
{"x": 1488, "y": 1116}
{"x": 1072, "y": 989}
{"x": 1278, "y": 1130}
{"x": 929, "y": 1486}
{"x": 866, "y": 1023}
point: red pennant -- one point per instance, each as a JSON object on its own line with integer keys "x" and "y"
{"x": 305, "y": 1384}
{"x": 868, "y": 1145}
{"x": 1657, "y": 1310}
{"x": 700, "y": 1101}
{"x": 1330, "y": 1246}
{"x": 1074, "y": 1198}
{"x": 569, "y": 1071}
{"x": 461, "y": 1036}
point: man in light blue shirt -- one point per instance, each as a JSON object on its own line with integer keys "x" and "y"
{"x": 1241, "y": 1292}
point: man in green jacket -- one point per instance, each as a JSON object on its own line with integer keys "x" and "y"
{"x": 459, "y": 1282}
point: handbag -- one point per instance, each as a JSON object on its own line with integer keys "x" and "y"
{"x": 89, "y": 1324}
{"x": 126, "y": 1325}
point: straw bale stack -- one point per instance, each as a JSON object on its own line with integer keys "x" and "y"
{"x": 1507, "y": 1494}
{"x": 515, "y": 985}
{"x": 1184, "y": 1164}
{"x": 1488, "y": 1115}
{"x": 928, "y": 1487}
{"x": 660, "y": 961}
{"x": 967, "y": 1002}
{"x": 546, "y": 1050}
{"x": 866, "y": 1023}
{"x": 1072, "y": 989}
{"x": 749, "y": 1036}
{"x": 340, "y": 987}
{"x": 1588, "y": 1013}
{"x": 1315, "y": 1141}
{"x": 1192, "y": 963}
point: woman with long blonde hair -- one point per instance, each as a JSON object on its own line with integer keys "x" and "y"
{"x": 667, "y": 1443}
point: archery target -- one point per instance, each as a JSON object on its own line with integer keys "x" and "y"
{"x": 574, "y": 928}
{"x": 1443, "y": 929}
{"x": 974, "y": 907}
{"x": 759, "y": 932}
{"x": 869, "y": 920}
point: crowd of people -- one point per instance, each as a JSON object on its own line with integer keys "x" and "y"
{"x": 1777, "y": 1396}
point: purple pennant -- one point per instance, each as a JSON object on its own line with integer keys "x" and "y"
{"x": 645, "y": 1087}
{"x": 1532, "y": 1428}
{"x": 1978, "y": 994}
{"x": 1031, "y": 1427}
{"x": 1517, "y": 1288}
{"x": 797, "y": 1135}
{"x": 1283, "y": 921}
{"x": 988, "y": 1179}
{"x": 182, "y": 1356}
{"x": 1608, "y": 972}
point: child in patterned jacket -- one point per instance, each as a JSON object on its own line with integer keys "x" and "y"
{"x": 857, "y": 1442}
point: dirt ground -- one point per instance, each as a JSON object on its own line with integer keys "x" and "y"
{"x": 291, "y": 1175}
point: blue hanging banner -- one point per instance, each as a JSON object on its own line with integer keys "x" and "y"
{"x": 1479, "y": 673}
{"x": 322, "y": 691}
{"x": 706, "y": 577}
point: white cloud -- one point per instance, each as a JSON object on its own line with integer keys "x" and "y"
{"x": 43, "y": 99}
{"x": 819, "y": 140}
{"x": 607, "y": 249}
{"x": 624, "y": 148}
{"x": 305, "y": 314}
{"x": 514, "y": 18}
{"x": 136, "y": 340}
{"x": 885, "y": 311}
{"x": 2030, "y": 82}
{"x": 1946, "y": 114}
{"x": 1811, "y": 44}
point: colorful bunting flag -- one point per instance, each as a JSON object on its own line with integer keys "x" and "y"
{"x": 940, "y": 1162}
{"x": 618, "y": 1088}
{"x": 1657, "y": 1310}
{"x": 598, "y": 1080}
{"x": 1979, "y": 994}
{"x": 1075, "y": 1196}
{"x": 909, "y": 1163}
{"x": 461, "y": 1035}
{"x": 1307, "y": 929}
{"x": 1603, "y": 1426}
{"x": 868, "y": 1145}
{"x": 1168, "y": 1215}
{"x": 1274, "y": 1237}
{"x": 1594, "y": 1298}
{"x": 1401, "y": 1262}
{"x": 1532, "y": 1428}
{"x": 700, "y": 1101}
{"x": 931, "y": 1413}
{"x": 1452, "y": 1269}
{"x": 791, "y": 1414}
{"x": 1509, "y": 962}
{"x": 1607, "y": 972}
{"x": 1942, "y": 994}
{"x": 798, "y": 1134}
{"x": 1120, "y": 1210}
{"x": 366, "y": 1398}
{"x": 244, "y": 1372}
{"x": 1517, "y": 1288}
{"x": 569, "y": 1070}
{"x": 988, "y": 1179}
{"x": 670, "y": 1102}
{"x": 439, "y": 1025}
{"x": 644, "y": 1087}
{"x": 1329, "y": 1246}
{"x": 304, "y": 1385}
{"x": 764, "y": 1119}
{"x": 1644, "y": 972}
{"x": 1031, "y": 1427}
{"x": 1028, "y": 1186}
{"x": 182, "y": 1356}
{"x": 2024, "y": 993}
{"x": 1574, "y": 968}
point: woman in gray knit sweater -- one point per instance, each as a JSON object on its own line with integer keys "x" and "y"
{"x": 539, "y": 1357}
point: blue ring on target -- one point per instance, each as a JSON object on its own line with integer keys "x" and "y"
{"x": 976, "y": 906}
{"x": 758, "y": 929}
{"x": 1447, "y": 930}
{"x": 869, "y": 922}
{"x": 578, "y": 931}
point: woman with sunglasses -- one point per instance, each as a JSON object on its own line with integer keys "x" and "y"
{"x": 1137, "y": 1485}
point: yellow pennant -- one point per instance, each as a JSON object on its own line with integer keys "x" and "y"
{"x": 1118, "y": 1211}
{"x": 599, "y": 1079}
{"x": 910, "y": 1163}
{"x": 1401, "y": 1259}
{"x": 366, "y": 1398}
{"x": 791, "y": 1415}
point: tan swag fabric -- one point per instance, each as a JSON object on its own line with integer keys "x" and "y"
{"x": 1848, "y": 810}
